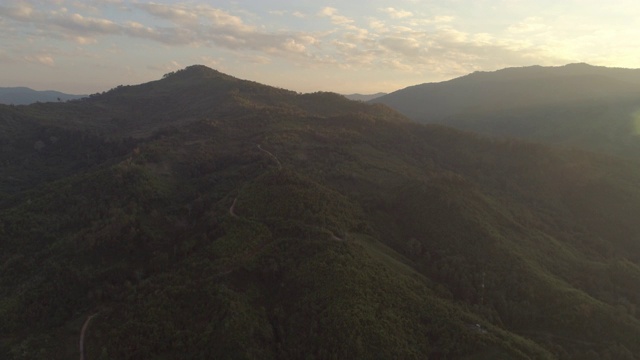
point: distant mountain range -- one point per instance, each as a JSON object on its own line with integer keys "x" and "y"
{"x": 201, "y": 216}
{"x": 25, "y": 96}
{"x": 591, "y": 107}
{"x": 361, "y": 97}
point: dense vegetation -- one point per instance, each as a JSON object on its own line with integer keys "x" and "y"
{"x": 220, "y": 218}
{"x": 576, "y": 105}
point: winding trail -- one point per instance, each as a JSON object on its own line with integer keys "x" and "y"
{"x": 273, "y": 156}
{"x": 256, "y": 249}
{"x": 85, "y": 326}
{"x": 232, "y": 209}
{"x": 333, "y": 236}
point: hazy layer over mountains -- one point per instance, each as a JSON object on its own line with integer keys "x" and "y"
{"x": 579, "y": 105}
{"x": 513, "y": 88}
{"x": 25, "y": 96}
{"x": 204, "y": 216}
{"x": 361, "y": 97}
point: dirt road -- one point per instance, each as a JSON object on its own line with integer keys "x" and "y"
{"x": 83, "y": 332}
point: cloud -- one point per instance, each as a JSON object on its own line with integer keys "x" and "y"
{"x": 60, "y": 23}
{"x": 400, "y": 42}
{"x": 529, "y": 25}
{"x": 255, "y": 59}
{"x": 378, "y": 25}
{"x": 223, "y": 20}
{"x": 332, "y": 13}
{"x": 199, "y": 25}
{"x": 81, "y": 24}
{"x": 405, "y": 46}
{"x": 83, "y": 40}
{"x": 437, "y": 21}
{"x": 397, "y": 14}
{"x": 446, "y": 51}
{"x": 204, "y": 25}
{"x": 442, "y": 19}
{"x": 44, "y": 59}
{"x": 172, "y": 65}
{"x": 296, "y": 14}
{"x": 176, "y": 13}
{"x": 21, "y": 11}
{"x": 209, "y": 61}
{"x": 293, "y": 46}
{"x": 398, "y": 65}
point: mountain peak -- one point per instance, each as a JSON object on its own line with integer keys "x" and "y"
{"x": 579, "y": 65}
{"x": 197, "y": 71}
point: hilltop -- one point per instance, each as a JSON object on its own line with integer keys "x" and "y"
{"x": 201, "y": 215}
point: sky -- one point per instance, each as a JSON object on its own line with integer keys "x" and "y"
{"x": 355, "y": 46}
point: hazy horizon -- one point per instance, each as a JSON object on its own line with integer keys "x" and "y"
{"x": 356, "y": 47}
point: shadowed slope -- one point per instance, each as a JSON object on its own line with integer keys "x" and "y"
{"x": 452, "y": 246}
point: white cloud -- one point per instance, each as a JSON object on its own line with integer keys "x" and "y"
{"x": 398, "y": 65}
{"x": 84, "y": 40}
{"x": 209, "y": 61}
{"x": 172, "y": 65}
{"x": 396, "y": 13}
{"x": 293, "y": 46}
{"x": 396, "y": 40}
{"x": 378, "y": 25}
{"x": 223, "y": 20}
{"x": 405, "y": 46}
{"x": 332, "y": 13}
{"x": 438, "y": 21}
{"x": 21, "y": 11}
{"x": 200, "y": 25}
{"x": 83, "y": 24}
{"x": 450, "y": 35}
{"x": 176, "y": 13}
{"x": 44, "y": 59}
{"x": 443, "y": 19}
{"x": 529, "y": 25}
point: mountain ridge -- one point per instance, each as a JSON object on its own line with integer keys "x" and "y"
{"x": 193, "y": 241}
{"x": 627, "y": 79}
{"x": 23, "y": 96}
{"x": 590, "y": 107}
{"x": 364, "y": 97}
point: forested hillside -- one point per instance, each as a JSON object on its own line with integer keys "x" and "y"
{"x": 576, "y": 105}
{"x": 202, "y": 216}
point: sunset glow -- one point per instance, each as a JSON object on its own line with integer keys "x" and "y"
{"x": 366, "y": 47}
